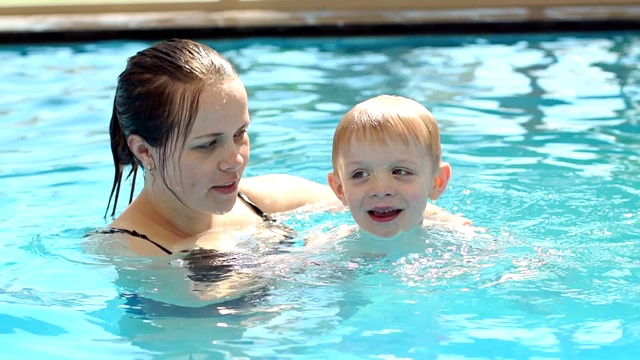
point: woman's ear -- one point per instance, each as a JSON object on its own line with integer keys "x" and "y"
{"x": 141, "y": 150}
{"x": 441, "y": 181}
{"x": 336, "y": 185}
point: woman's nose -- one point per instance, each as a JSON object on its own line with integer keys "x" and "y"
{"x": 233, "y": 158}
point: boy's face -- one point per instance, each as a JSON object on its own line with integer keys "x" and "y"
{"x": 386, "y": 186}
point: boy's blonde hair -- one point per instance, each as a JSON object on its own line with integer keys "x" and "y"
{"x": 387, "y": 118}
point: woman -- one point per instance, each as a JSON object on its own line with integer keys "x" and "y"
{"x": 180, "y": 114}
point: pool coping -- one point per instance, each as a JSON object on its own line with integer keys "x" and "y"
{"x": 242, "y": 18}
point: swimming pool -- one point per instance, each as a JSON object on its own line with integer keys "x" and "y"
{"x": 542, "y": 133}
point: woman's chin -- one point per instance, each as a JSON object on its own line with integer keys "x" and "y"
{"x": 221, "y": 209}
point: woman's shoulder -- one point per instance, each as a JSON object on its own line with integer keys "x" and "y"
{"x": 273, "y": 180}
{"x": 121, "y": 241}
{"x": 108, "y": 241}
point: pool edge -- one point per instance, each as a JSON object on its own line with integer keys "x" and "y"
{"x": 88, "y": 23}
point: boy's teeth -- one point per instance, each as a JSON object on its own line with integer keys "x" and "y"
{"x": 384, "y": 211}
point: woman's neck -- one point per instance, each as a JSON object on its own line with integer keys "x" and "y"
{"x": 164, "y": 220}
{"x": 171, "y": 215}
{"x": 169, "y": 222}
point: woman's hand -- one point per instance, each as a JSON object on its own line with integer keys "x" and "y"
{"x": 438, "y": 214}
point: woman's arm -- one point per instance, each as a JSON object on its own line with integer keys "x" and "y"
{"x": 276, "y": 193}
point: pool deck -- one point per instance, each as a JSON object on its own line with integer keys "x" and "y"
{"x": 70, "y": 20}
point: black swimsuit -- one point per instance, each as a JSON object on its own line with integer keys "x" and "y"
{"x": 134, "y": 233}
{"x": 288, "y": 233}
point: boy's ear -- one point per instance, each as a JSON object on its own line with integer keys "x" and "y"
{"x": 441, "y": 181}
{"x": 336, "y": 186}
{"x": 141, "y": 150}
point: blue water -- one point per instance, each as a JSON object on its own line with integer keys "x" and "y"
{"x": 543, "y": 135}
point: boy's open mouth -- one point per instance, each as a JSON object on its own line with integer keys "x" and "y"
{"x": 384, "y": 215}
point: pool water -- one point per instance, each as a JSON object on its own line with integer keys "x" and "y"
{"x": 542, "y": 132}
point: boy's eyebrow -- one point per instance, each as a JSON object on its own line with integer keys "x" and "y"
{"x": 353, "y": 163}
{"x": 395, "y": 162}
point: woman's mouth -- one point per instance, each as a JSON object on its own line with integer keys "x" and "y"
{"x": 226, "y": 189}
{"x": 384, "y": 215}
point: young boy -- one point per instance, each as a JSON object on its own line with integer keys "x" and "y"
{"x": 387, "y": 163}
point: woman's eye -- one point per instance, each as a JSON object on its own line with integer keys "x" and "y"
{"x": 207, "y": 146}
{"x": 240, "y": 134}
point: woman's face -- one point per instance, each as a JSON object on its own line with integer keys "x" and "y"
{"x": 205, "y": 175}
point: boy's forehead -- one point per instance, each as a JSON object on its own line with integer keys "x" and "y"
{"x": 357, "y": 147}
{"x": 379, "y": 137}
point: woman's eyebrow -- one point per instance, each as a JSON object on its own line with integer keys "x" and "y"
{"x": 212, "y": 135}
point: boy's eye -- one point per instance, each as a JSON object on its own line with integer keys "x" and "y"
{"x": 358, "y": 174}
{"x": 401, "y": 172}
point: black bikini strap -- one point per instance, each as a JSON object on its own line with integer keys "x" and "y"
{"x": 143, "y": 236}
{"x": 254, "y": 207}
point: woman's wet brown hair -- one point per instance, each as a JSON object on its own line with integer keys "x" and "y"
{"x": 157, "y": 99}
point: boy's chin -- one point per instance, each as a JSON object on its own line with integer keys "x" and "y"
{"x": 376, "y": 235}
{"x": 388, "y": 236}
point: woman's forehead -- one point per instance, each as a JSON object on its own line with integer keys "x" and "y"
{"x": 221, "y": 109}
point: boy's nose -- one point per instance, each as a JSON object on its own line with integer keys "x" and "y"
{"x": 381, "y": 187}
